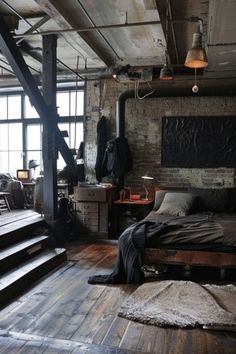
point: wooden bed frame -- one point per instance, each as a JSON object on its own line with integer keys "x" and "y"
{"x": 170, "y": 256}
{"x": 220, "y": 260}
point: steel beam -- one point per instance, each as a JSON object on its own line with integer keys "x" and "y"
{"x": 50, "y": 153}
{"x": 16, "y": 60}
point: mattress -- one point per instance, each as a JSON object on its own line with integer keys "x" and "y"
{"x": 203, "y": 229}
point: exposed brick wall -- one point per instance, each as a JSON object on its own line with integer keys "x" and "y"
{"x": 143, "y": 130}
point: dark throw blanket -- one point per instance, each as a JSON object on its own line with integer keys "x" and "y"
{"x": 131, "y": 244}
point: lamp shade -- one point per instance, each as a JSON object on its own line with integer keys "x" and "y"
{"x": 166, "y": 73}
{"x": 196, "y": 56}
{"x": 33, "y": 164}
{"x": 147, "y": 175}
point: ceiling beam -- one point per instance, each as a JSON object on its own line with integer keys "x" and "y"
{"x": 87, "y": 46}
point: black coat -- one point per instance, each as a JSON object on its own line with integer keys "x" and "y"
{"x": 117, "y": 158}
{"x": 100, "y": 169}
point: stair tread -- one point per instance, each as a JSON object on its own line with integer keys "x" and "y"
{"x": 24, "y": 268}
{"x": 34, "y": 219}
{"x": 21, "y": 246}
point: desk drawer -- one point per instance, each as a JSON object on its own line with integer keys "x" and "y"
{"x": 87, "y": 207}
{"x": 91, "y": 194}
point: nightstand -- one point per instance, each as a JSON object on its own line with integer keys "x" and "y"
{"x": 127, "y": 212}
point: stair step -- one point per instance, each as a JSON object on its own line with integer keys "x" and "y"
{"x": 14, "y": 254}
{"x": 15, "y": 232}
{"x": 18, "y": 279}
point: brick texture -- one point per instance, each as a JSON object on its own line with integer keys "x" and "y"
{"x": 143, "y": 130}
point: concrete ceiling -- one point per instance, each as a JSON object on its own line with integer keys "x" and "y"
{"x": 114, "y": 43}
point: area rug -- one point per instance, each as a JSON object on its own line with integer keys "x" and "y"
{"x": 182, "y": 304}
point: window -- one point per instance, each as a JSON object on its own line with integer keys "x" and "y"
{"x": 11, "y": 153}
{"x": 30, "y": 111}
{"x": 21, "y": 128}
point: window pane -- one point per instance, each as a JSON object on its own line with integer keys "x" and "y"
{"x": 4, "y": 162}
{"x": 76, "y": 140}
{"x": 3, "y": 137}
{"x": 80, "y": 103}
{"x": 30, "y": 111}
{"x": 63, "y": 103}
{"x": 14, "y": 107}
{"x": 34, "y": 137}
{"x": 15, "y": 161}
{"x": 65, "y": 126}
{"x": 60, "y": 162}
{"x": 3, "y": 107}
{"x": 15, "y": 136}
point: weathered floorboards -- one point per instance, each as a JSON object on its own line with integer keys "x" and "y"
{"x": 62, "y": 313}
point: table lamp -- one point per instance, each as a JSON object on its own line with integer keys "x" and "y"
{"x": 146, "y": 176}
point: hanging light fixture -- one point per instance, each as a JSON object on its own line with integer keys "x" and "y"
{"x": 195, "y": 88}
{"x": 196, "y": 57}
{"x": 166, "y": 73}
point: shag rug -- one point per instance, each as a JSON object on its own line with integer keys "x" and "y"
{"x": 182, "y": 304}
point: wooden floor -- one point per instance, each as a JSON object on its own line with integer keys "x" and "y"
{"x": 62, "y": 313}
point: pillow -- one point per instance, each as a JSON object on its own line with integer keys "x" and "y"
{"x": 176, "y": 204}
{"x": 159, "y": 196}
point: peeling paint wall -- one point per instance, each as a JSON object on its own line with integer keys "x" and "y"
{"x": 143, "y": 130}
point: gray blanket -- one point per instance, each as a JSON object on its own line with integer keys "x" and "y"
{"x": 202, "y": 228}
{"x": 131, "y": 244}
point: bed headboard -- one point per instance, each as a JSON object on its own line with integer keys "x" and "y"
{"x": 215, "y": 200}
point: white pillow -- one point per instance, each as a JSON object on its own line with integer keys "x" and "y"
{"x": 176, "y": 204}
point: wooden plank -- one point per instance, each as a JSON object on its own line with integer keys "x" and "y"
{"x": 16, "y": 215}
{"x": 131, "y": 337}
{"x": 57, "y": 346}
{"x": 65, "y": 307}
{"x": 41, "y": 300}
{"x": 23, "y": 245}
{"x": 15, "y": 281}
{"x": 34, "y": 219}
{"x": 116, "y": 332}
{"x": 195, "y": 258}
{"x": 7, "y": 313}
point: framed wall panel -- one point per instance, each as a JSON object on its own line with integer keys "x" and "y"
{"x": 199, "y": 142}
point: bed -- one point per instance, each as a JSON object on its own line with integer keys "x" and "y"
{"x": 186, "y": 227}
{"x": 207, "y": 232}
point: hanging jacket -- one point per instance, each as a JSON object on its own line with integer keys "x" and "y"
{"x": 117, "y": 159}
{"x": 100, "y": 169}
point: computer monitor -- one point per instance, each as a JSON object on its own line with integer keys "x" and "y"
{"x": 23, "y": 175}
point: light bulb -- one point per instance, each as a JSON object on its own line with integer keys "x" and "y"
{"x": 195, "y": 88}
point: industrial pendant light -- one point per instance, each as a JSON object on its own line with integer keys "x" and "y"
{"x": 196, "y": 57}
{"x": 166, "y": 73}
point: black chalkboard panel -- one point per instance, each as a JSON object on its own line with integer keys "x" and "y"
{"x": 198, "y": 142}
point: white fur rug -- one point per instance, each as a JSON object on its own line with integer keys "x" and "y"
{"x": 182, "y": 304}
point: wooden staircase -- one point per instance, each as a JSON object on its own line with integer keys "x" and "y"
{"x": 25, "y": 256}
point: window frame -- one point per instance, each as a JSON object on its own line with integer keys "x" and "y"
{"x": 72, "y": 119}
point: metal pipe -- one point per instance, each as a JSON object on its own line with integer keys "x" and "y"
{"x": 68, "y": 68}
{"x": 165, "y": 91}
{"x": 173, "y": 32}
{"x": 95, "y": 28}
